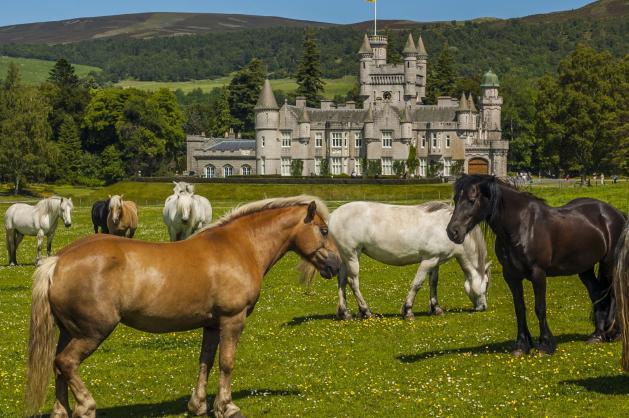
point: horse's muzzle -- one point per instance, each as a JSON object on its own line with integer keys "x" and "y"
{"x": 455, "y": 235}
{"x": 332, "y": 266}
{"x": 68, "y": 225}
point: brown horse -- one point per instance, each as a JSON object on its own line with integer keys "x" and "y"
{"x": 122, "y": 219}
{"x": 621, "y": 289}
{"x": 211, "y": 280}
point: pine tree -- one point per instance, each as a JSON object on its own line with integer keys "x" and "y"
{"x": 309, "y": 82}
{"x": 70, "y": 153}
{"x": 63, "y": 74}
{"x": 442, "y": 77}
{"x": 223, "y": 120}
{"x": 244, "y": 91}
{"x": 393, "y": 48}
{"x": 412, "y": 162}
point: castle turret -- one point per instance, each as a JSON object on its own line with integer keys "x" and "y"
{"x": 379, "y": 46}
{"x": 406, "y": 124}
{"x": 463, "y": 113}
{"x": 304, "y": 125}
{"x": 491, "y": 105}
{"x": 369, "y": 122}
{"x": 267, "y": 125}
{"x": 410, "y": 68}
{"x": 422, "y": 61}
{"x": 365, "y": 54}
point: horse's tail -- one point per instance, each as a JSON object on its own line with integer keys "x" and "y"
{"x": 41, "y": 344}
{"x": 621, "y": 290}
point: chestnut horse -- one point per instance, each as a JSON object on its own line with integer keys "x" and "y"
{"x": 621, "y": 290}
{"x": 122, "y": 219}
{"x": 211, "y": 280}
{"x": 534, "y": 241}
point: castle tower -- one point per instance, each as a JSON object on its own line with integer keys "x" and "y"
{"x": 379, "y": 46}
{"x": 491, "y": 105}
{"x": 268, "y": 152}
{"x": 365, "y": 54}
{"x": 463, "y": 113}
{"x": 422, "y": 62}
{"x": 410, "y": 68}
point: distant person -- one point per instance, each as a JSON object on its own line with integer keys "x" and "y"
{"x": 602, "y": 179}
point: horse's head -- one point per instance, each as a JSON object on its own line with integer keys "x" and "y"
{"x": 182, "y": 186}
{"x": 65, "y": 209}
{"x": 184, "y": 205}
{"x": 475, "y": 199}
{"x": 115, "y": 207}
{"x": 317, "y": 248}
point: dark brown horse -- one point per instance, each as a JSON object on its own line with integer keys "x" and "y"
{"x": 534, "y": 241}
{"x": 211, "y": 280}
{"x": 621, "y": 289}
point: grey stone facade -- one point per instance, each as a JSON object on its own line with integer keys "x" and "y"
{"x": 446, "y": 135}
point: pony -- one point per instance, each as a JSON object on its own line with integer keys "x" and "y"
{"x": 100, "y": 210}
{"x": 403, "y": 235}
{"x": 40, "y": 220}
{"x": 122, "y": 219}
{"x": 621, "y": 290}
{"x": 180, "y": 215}
{"x": 203, "y": 206}
{"x": 212, "y": 281}
{"x": 535, "y": 241}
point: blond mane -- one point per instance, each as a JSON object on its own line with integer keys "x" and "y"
{"x": 274, "y": 203}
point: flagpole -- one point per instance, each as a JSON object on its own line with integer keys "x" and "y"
{"x": 375, "y": 14}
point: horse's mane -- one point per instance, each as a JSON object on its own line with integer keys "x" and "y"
{"x": 435, "y": 206}
{"x": 275, "y": 203}
{"x": 47, "y": 203}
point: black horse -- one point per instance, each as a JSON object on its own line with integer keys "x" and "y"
{"x": 534, "y": 240}
{"x": 100, "y": 210}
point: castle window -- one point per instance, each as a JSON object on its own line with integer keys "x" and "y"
{"x": 422, "y": 167}
{"x": 434, "y": 140}
{"x": 423, "y": 140}
{"x": 387, "y": 166}
{"x": 262, "y": 143}
{"x": 286, "y": 139}
{"x": 210, "y": 171}
{"x": 285, "y": 166}
{"x": 336, "y": 164}
{"x": 337, "y": 139}
{"x": 387, "y": 139}
{"x": 358, "y": 167}
{"x": 246, "y": 170}
{"x": 318, "y": 139}
{"x": 358, "y": 140}
{"x": 386, "y": 95}
{"x": 317, "y": 166}
{"x": 447, "y": 165}
{"x": 447, "y": 141}
{"x": 228, "y": 170}
{"x": 262, "y": 166}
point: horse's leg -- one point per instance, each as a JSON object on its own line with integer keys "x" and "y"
{"x": 424, "y": 267}
{"x": 61, "y": 408}
{"x": 605, "y": 278}
{"x": 49, "y": 243}
{"x": 547, "y": 342}
{"x": 230, "y": 329}
{"x": 131, "y": 232}
{"x": 11, "y": 246}
{"x": 67, "y": 363}
{"x": 353, "y": 268}
{"x": 341, "y": 309}
{"x": 588, "y": 278}
{"x": 40, "y": 241}
{"x": 18, "y": 237}
{"x": 435, "y": 309}
{"x": 523, "y": 341}
{"x": 198, "y": 402}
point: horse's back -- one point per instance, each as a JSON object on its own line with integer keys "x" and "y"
{"x": 205, "y": 208}
{"x": 132, "y": 213}
{"x": 20, "y": 215}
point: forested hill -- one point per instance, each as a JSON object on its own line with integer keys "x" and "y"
{"x": 529, "y": 46}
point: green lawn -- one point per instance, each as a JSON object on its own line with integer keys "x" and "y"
{"x": 294, "y": 359}
{"x": 35, "y": 71}
{"x": 332, "y": 86}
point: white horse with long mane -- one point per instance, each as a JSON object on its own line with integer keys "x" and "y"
{"x": 39, "y": 220}
{"x": 402, "y": 235}
{"x": 185, "y": 212}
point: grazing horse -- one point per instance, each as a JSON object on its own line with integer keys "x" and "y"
{"x": 621, "y": 290}
{"x": 180, "y": 215}
{"x": 403, "y": 235}
{"x": 203, "y": 206}
{"x": 40, "y": 220}
{"x": 211, "y": 280}
{"x": 100, "y": 210}
{"x": 122, "y": 219}
{"x": 534, "y": 241}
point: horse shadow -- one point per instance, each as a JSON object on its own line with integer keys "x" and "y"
{"x": 490, "y": 348}
{"x": 179, "y": 405}
{"x": 607, "y": 385}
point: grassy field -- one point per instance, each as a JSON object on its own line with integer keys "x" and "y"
{"x": 34, "y": 71}
{"x": 333, "y": 86}
{"x": 295, "y": 359}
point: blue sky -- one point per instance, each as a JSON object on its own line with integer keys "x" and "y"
{"x": 337, "y": 11}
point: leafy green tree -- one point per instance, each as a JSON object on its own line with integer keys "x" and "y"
{"x": 63, "y": 74}
{"x": 393, "y": 47}
{"x": 111, "y": 165}
{"x": 325, "y": 167}
{"x": 309, "y": 82}
{"x": 71, "y": 159}
{"x": 223, "y": 120}
{"x": 620, "y": 158}
{"x": 442, "y": 76}
{"x": 412, "y": 162}
{"x": 373, "y": 168}
{"x": 399, "y": 167}
{"x": 296, "y": 168}
{"x": 244, "y": 91}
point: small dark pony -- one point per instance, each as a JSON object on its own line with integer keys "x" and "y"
{"x": 100, "y": 210}
{"x": 534, "y": 240}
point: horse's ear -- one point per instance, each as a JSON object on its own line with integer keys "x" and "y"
{"x": 312, "y": 211}
{"x": 174, "y": 182}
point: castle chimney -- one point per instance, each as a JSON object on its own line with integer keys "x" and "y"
{"x": 300, "y": 101}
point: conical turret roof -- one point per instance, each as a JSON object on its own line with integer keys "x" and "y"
{"x": 365, "y": 48}
{"x": 470, "y": 104}
{"x": 405, "y": 115}
{"x": 421, "y": 50}
{"x": 267, "y": 98}
{"x": 304, "y": 117}
{"x": 409, "y": 48}
{"x": 369, "y": 115}
{"x": 463, "y": 104}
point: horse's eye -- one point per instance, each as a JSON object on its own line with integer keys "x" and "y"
{"x": 324, "y": 232}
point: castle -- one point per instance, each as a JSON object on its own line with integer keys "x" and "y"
{"x": 450, "y": 137}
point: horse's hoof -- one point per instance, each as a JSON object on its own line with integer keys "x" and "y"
{"x": 481, "y": 308}
{"x": 409, "y": 316}
{"x": 595, "y": 339}
{"x": 518, "y": 352}
{"x": 365, "y": 314}
{"x": 343, "y": 316}
{"x": 436, "y": 310}
{"x": 197, "y": 408}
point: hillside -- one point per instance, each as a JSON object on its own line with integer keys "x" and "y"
{"x": 140, "y": 26}
{"x": 34, "y": 71}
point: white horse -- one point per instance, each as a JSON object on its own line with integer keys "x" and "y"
{"x": 184, "y": 212}
{"x": 40, "y": 220}
{"x": 403, "y": 235}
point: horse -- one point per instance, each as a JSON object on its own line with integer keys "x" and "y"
{"x": 212, "y": 281}
{"x": 403, "y": 235}
{"x": 40, "y": 220}
{"x": 203, "y": 206}
{"x": 621, "y": 290}
{"x": 535, "y": 241}
{"x": 122, "y": 219}
{"x": 181, "y": 215}
{"x": 100, "y": 210}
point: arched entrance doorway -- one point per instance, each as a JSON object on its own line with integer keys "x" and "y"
{"x": 477, "y": 166}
